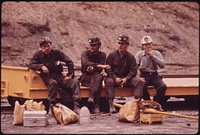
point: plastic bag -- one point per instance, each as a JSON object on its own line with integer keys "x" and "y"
{"x": 64, "y": 115}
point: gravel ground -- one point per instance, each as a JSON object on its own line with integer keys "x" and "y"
{"x": 106, "y": 124}
{"x": 109, "y": 124}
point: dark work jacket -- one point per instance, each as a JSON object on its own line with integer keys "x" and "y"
{"x": 121, "y": 67}
{"x": 40, "y": 59}
{"x": 89, "y": 59}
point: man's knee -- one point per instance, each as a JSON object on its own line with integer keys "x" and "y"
{"x": 137, "y": 82}
{"x": 75, "y": 82}
{"x": 109, "y": 81}
{"x": 97, "y": 77}
{"x": 140, "y": 82}
{"x": 164, "y": 86}
{"x": 161, "y": 91}
{"x": 52, "y": 83}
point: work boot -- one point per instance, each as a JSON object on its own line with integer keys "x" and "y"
{"x": 76, "y": 108}
{"x": 90, "y": 104}
{"x": 90, "y": 99}
{"x": 112, "y": 108}
{"x": 96, "y": 110}
{"x": 50, "y": 113}
{"x": 137, "y": 98}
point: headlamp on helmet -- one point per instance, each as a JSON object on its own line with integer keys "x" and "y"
{"x": 94, "y": 40}
{"x": 44, "y": 40}
{"x": 123, "y": 39}
{"x": 146, "y": 40}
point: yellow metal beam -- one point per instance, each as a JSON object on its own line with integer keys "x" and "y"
{"x": 30, "y": 85}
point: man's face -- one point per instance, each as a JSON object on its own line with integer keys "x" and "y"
{"x": 122, "y": 47}
{"x": 147, "y": 47}
{"x": 46, "y": 48}
{"x": 94, "y": 48}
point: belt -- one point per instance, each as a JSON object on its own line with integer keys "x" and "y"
{"x": 149, "y": 73}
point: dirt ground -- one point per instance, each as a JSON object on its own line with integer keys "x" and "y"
{"x": 109, "y": 124}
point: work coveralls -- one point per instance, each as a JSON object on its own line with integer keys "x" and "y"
{"x": 93, "y": 79}
{"x": 54, "y": 80}
{"x": 122, "y": 67}
{"x": 148, "y": 67}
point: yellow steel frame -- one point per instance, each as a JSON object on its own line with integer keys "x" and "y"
{"x": 25, "y": 83}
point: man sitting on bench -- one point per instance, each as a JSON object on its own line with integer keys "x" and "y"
{"x": 123, "y": 72}
{"x": 148, "y": 61}
{"x": 92, "y": 64}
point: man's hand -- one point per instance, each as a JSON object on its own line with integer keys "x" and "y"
{"x": 66, "y": 78}
{"x": 90, "y": 69}
{"x": 45, "y": 69}
{"x": 118, "y": 81}
{"x": 104, "y": 66}
{"x": 123, "y": 81}
{"x": 107, "y": 67}
{"x": 151, "y": 53}
{"x": 141, "y": 78}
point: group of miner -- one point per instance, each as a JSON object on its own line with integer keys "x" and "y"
{"x": 122, "y": 69}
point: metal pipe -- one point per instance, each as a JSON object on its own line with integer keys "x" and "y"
{"x": 149, "y": 110}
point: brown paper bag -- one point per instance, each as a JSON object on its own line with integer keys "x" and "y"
{"x": 151, "y": 104}
{"x": 64, "y": 115}
{"x": 28, "y": 102}
{"x": 33, "y": 105}
{"x": 18, "y": 113}
{"x": 29, "y": 105}
{"x": 129, "y": 112}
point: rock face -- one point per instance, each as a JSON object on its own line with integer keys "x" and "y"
{"x": 174, "y": 27}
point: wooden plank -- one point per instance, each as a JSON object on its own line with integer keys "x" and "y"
{"x": 175, "y": 87}
{"x": 181, "y": 82}
{"x": 182, "y": 91}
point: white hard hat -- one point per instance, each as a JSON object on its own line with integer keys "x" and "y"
{"x": 146, "y": 40}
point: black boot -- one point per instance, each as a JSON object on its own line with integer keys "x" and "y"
{"x": 76, "y": 107}
{"x": 50, "y": 113}
{"x": 96, "y": 109}
{"x": 90, "y": 104}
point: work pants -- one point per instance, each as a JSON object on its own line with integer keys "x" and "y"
{"x": 160, "y": 86}
{"x": 55, "y": 81}
{"x": 94, "y": 81}
{"x": 135, "y": 83}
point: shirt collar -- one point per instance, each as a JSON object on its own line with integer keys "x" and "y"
{"x": 124, "y": 53}
{"x": 143, "y": 53}
{"x": 47, "y": 54}
{"x": 94, "y": 53}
